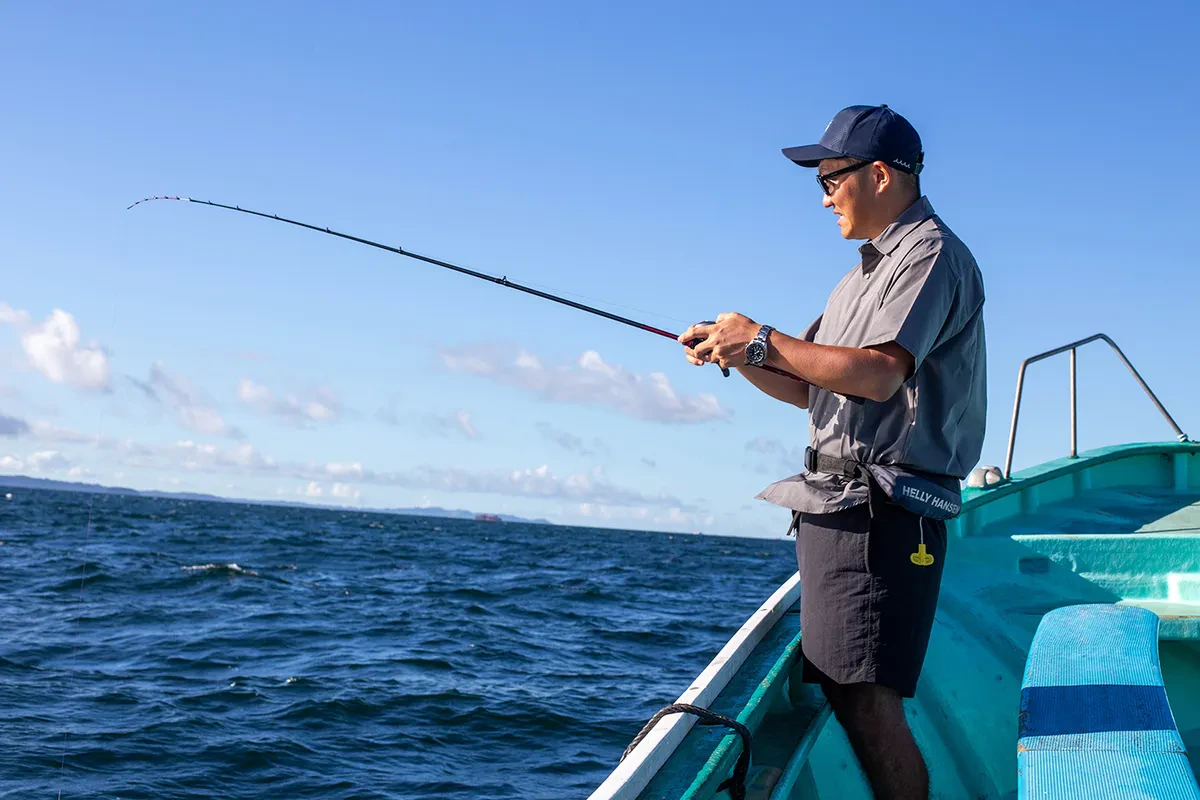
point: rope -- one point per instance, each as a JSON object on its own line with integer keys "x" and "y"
{"x": 736, "y": 783}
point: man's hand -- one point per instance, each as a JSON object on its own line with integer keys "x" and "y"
{"x": 723, "y": 343}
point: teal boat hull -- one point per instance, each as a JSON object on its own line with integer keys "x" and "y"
{"x": 1119, "y": 525}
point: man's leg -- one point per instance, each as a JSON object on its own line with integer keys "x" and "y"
{"x": 873, "y": 717}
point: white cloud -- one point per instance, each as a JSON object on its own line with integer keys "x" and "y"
{"x": 572, "y": 443}
{"x": 244, "y": 455}
{"x": 564, "y": 439}
{"x": 46, "y": 432}
{"x": 194, "y": 409}
{"x": 79, "y": 472}
{"x": 536, "y": 482}
{"x": 12, "y": 426}
{"x": 46, "y": 460}
{"x": 11, "y": 316}
{"x": 11, "y": 464}
{"x": 339, "y": 470}
{"x": 314, "y": 489}
{"x": 318, "y": 405}
{"x": 458, "y": 422}
{"x": 674, "y": 517}
{"x": 462, "y": 419}
{"x": 210, "y": 458}
{"x": 388, "y": 415}
{"x": 252, "y": 393}
{"x": 54, "y": 347}
{"x": 205, "y": 420}
{"x": 782, "y": 456}
{"x": 591, "y": 380}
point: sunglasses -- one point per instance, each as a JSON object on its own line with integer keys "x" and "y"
{"x": 829, "y": 188}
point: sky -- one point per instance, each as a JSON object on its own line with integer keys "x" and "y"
{"x": 624, "y": 153}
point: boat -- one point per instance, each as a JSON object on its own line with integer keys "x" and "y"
{"x": 487, "y": 518}
{"x": 1064, "y": 660}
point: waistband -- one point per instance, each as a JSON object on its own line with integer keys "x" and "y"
{"x": 846, "y": 467}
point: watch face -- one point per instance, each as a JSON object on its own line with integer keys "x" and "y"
{"x": 755, "y": 353}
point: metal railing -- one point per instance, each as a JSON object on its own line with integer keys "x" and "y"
{"x": 1073, "y": 346}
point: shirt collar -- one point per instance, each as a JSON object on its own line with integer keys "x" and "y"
{"x": 904, "y": 224}
{"x": 882, "y": 245}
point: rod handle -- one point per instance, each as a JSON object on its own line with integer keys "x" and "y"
{"x": 698, "y": 340}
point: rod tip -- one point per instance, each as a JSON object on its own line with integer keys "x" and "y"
{"x": 157, "y": 197}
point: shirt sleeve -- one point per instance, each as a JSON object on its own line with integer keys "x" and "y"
{"x": 810, "y": 333}
{"x": 920, "y": 302}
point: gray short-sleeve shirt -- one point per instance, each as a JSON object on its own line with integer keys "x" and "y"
{"x": 919, "y": 286}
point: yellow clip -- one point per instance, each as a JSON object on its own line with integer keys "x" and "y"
{"x": 921, "y": 558}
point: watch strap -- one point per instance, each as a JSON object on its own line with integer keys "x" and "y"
{"x": 761, "y": 338}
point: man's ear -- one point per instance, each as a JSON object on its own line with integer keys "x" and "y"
{"x": 883, "y": 176}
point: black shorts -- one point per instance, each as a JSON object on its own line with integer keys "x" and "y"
{"x": 866, "y": 609}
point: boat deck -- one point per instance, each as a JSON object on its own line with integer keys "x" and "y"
{"x": 1141, "y": 545}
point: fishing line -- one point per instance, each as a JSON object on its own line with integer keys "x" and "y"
{"x": 502, "y": 281}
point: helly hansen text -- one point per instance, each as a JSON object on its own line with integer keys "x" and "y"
{"x": 929, "y": 499}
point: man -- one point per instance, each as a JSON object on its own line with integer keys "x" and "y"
{"x": 893, "y": 376}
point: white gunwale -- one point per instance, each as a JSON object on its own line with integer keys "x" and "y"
{"x": 634, "y": 773}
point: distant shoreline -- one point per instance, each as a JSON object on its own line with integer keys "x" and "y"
{"x": 25, "y": 482}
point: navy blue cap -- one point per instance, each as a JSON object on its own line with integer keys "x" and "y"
{"x": 872, "y": 133}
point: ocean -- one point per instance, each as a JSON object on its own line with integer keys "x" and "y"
{"x": 191, "y": 649}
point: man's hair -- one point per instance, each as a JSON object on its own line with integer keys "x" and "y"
{"x": 907, "y": 180}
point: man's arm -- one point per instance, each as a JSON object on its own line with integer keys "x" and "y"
{"x": 872, "y": 372}
{"x": 777, "y": 386}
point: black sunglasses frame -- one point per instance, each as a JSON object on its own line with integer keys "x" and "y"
{"x": 837, "y": 172}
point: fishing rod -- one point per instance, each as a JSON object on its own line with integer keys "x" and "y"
{"x": 502, "y": 281}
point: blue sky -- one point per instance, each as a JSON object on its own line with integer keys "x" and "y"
{"x": 624, "y": 152}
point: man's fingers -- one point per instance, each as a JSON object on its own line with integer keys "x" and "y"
{"x": 694, "y": 332}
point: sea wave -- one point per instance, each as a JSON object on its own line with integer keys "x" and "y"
{"x": 232, "y": 569}
{"x": 315, "y": 654}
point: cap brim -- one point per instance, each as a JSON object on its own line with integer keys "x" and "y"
{"x": 810, "y": 155}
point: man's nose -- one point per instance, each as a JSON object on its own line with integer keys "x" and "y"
{"x": 826, "y": 201}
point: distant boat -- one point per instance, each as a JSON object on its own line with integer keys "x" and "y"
{"x": 487, "y": 518}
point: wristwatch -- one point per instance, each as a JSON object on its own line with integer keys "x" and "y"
{"x": 756, "y": 350}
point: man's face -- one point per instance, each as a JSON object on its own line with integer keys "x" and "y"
{"x": 850, "y": 194}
